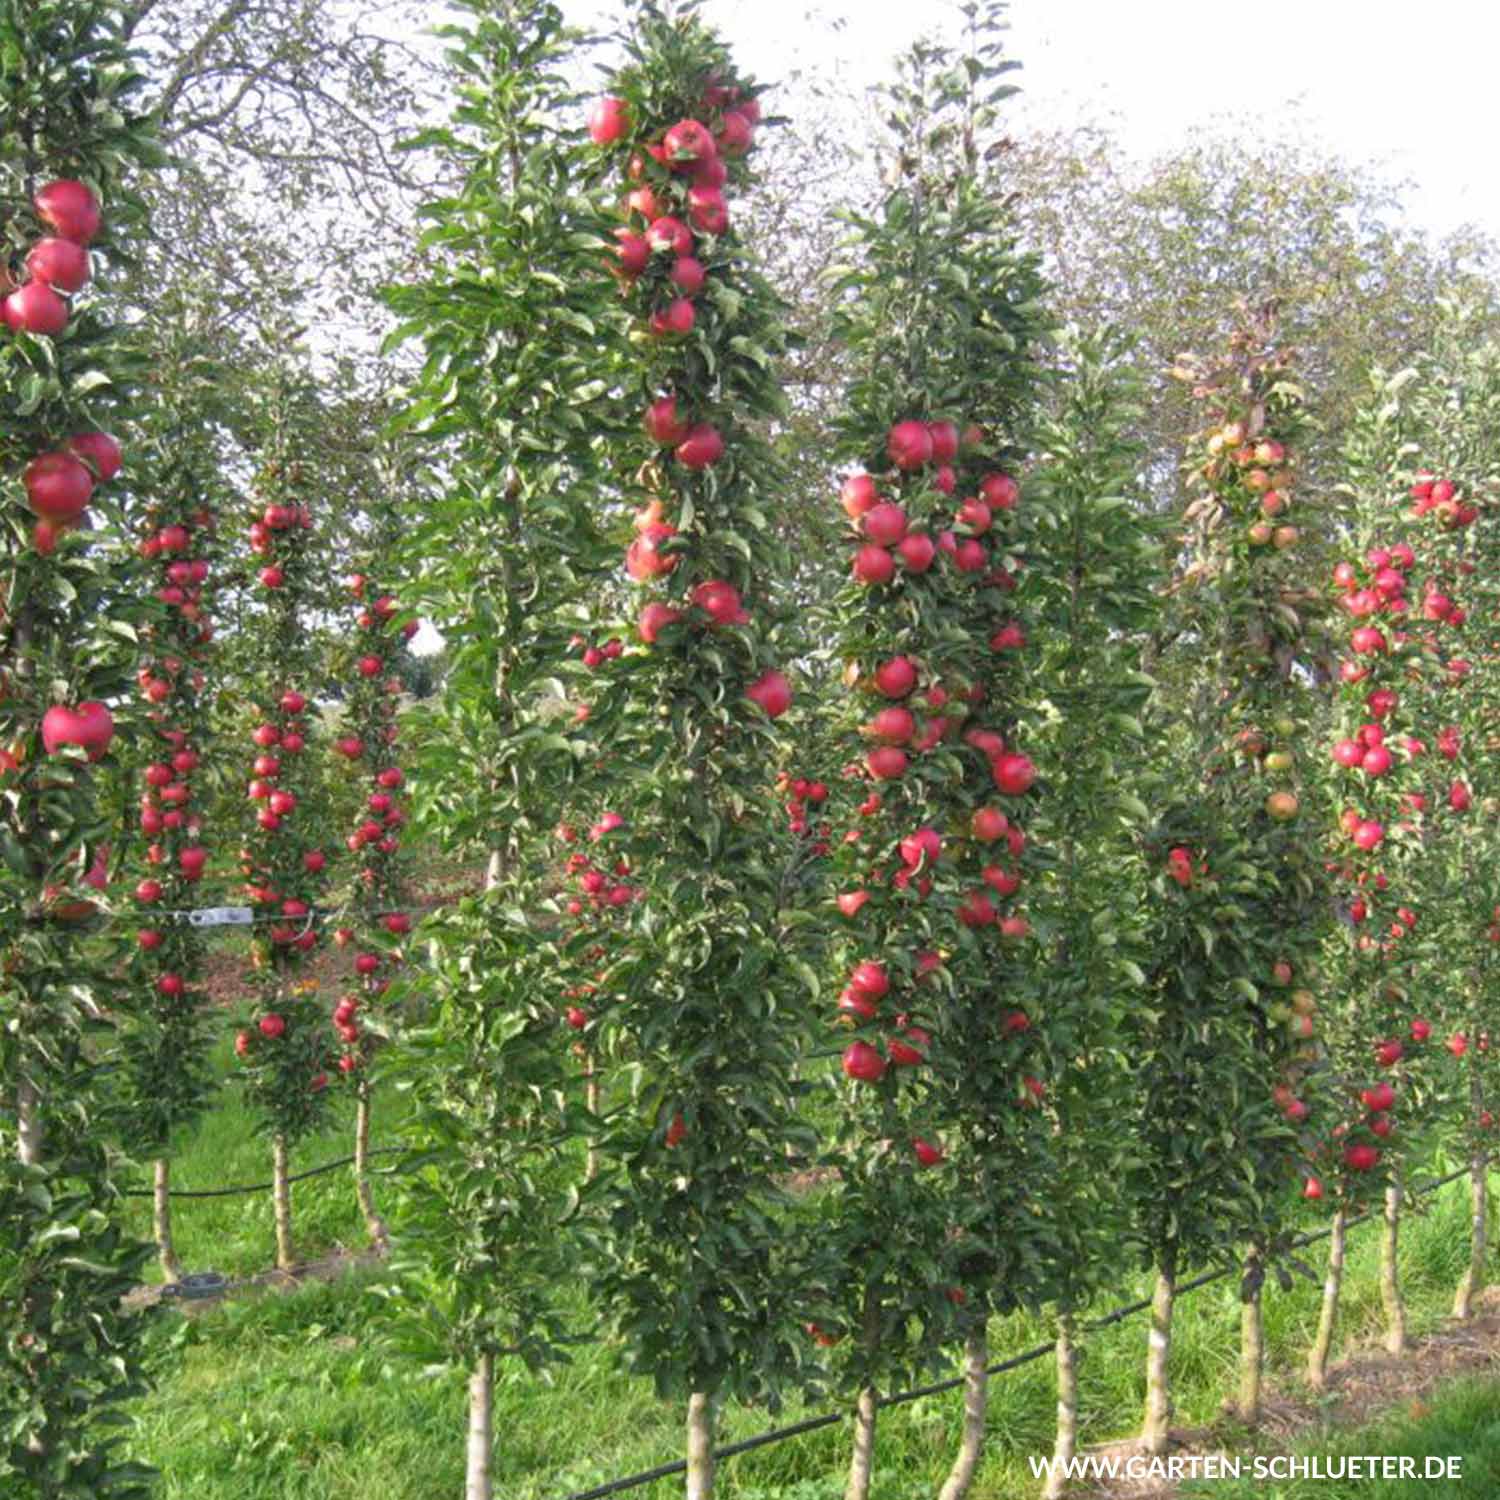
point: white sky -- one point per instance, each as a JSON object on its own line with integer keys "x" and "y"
{"x": 1410, "y": 89}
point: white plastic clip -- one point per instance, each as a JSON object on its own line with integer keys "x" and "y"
{"x": 222, "y": 916}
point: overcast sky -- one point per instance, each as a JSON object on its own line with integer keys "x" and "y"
{"x": 1412, "y": 90}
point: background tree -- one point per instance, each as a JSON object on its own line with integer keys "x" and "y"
{"x": 1168, "y": 247}
{"x": 165, "y": 1066}
{"x": 289, "y": 1052}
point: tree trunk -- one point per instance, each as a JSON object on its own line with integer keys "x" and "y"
{"x": 477, "y": 1482}
{"x": 1390, "y": 1281}
{"x": 591, "y": 1099}
{"x": 161, "y": 1219}
{"x": 1067, "y": 1409}
{"x": 1158, "y": 1366}
{"x": 1252, "y": 1343}
{"x": 374, "y": 1224}
{"x": 1473, "y": 1280}
{"x": 28, "y": 1124}
{"x": 1317, "y": 1358}
{"x": 281, "y": 1191}
{"x": 976, "y": 1398}
{"x": 862, "y": 1462}
{"x": 29, "y": 1136}
{"x": 700, "y": 1446}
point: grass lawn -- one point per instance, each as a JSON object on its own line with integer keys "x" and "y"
{"x": 291, "y": 1396}
{"x": 1462, "y": 1421}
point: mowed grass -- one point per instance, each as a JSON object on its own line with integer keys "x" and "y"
{"x": 294, "y": 1395}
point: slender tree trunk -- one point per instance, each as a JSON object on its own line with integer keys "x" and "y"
{"x": 591, "y": 1099}
{"x": 477, "y": 1482}
{"x": 700, "y": 1446}
{"x": 161, "y": 1219}
{"x": 862, "y": 1462}
{"x": 1158, "y": 1366}
{"x": 29, "y": 1129}
{"x": 281, "y": 1191}
{"x": 1067, "y": 1408}
{"x": 1390, "y": 1279}
{"x": 1252, "y": 1343}
{"x": 1473, "y": 1280}
{"x": 494, "y": 870}
{"x": 1333, "y": 1282}
{"x": 976, "y": 1398}
{"x": 374, "y": 1224}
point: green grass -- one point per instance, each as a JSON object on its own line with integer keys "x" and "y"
{"x": 291, "y": 1396}
{"x": 1462, "y": 1422}
{"x": 237, "y": 1235}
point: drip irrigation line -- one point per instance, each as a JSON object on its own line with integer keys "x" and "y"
{"x": 265, "y": 1187}
{"x": 1026, "y": 1357}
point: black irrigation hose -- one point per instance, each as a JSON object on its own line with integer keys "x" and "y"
{"x": 260, "y": 1187}
{"x": 1041, "y": 1351}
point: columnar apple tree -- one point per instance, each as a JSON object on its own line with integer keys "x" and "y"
{"x": 166, "y": 1078}
{"x": 698, "y": 1000}
{"x": 1383, "y": 749}
{"x": 1096, "y": 552}
{"x": 944, "y": 1136}
{"x": 1453, "y": 405}
{"x": 368, "y": 741}
{"x": 1213, "y": 1145}
{"x": 1249, "y": 610}
{"x": 519, "y": 352}
{"x": 70, "y": 154}
{"x": 288, "y": 1049}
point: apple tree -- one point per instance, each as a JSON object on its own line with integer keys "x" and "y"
{"x": 518, "y": 358}
{"x": 1096, "y": 547}
{"x": 946, "y": 1135}
{"x": 166, "y": 1079}
{"x": 699, "y": 1001}
{"x": 288, "y": 1049}
{"x": 1253, "y": 619}
{"x": 369, "y": 741}
{"x": 71, "y": 173}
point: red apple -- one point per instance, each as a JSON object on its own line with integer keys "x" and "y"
{"x": 35, "y": 308}
{"x": 873, "y": 565}
{"x": 702, "y": 447}
{"x": 1014, "y": 774}
{"x": 916, "y": 550}
{"x": 885, "y": 524}
{"x": 70, "y": 208}
{"x": 909, "y": 445}
{"x": 608, "y": 120}
{"x": 858, "y": 495}
{"x": 654, "y": 619}
{"x": 896, "y": 677}
{"x": 772, "y": 692}
{"x": 663, "y": 425}
{"x": 89, "y": 726}
{"x": 58, "y": 487}
{"x": 61, "y": 263}
{"x": 863, "y": 1063}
